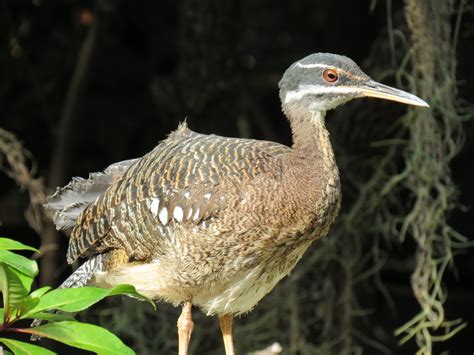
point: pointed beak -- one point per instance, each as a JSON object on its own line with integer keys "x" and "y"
{"x": 381, "y": 91}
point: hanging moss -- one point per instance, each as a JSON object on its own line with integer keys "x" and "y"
{"x": 436, "y": 137}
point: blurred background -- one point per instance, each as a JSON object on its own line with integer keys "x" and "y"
{"x": 84, "y": 84}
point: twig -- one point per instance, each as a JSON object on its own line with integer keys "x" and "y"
{"x": 58, "y": 165}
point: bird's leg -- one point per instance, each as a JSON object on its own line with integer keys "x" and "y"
{"x": 226, "y": 329}
{"x": 185, "y": 328}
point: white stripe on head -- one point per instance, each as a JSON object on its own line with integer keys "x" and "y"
{"x": 315, "y": 65}
{"x": 304, "y": 90}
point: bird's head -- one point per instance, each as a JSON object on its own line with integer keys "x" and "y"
{"x": 322, "y": 81}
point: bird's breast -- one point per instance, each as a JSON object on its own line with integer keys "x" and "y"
{"x": 311, "y": 203}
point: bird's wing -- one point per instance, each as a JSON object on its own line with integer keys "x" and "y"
{"x": 176, "y": 182}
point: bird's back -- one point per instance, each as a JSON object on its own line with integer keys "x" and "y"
{"x": 187, "y": 179}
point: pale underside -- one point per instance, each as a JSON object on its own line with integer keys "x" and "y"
{"x": 238, "y": 294}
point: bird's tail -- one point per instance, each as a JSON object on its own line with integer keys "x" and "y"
{"x": 84, "y": 273}
{"x": 69, "y": 201}
{"x": 79, "y": 278}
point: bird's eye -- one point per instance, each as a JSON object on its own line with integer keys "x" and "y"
{"x": 330, "y": 75}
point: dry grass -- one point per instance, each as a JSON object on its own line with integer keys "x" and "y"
{"x": 18, "y": 163}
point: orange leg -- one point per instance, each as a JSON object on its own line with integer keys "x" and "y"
{"x": 185, "y": 328}
{"x": 226, "y": 329}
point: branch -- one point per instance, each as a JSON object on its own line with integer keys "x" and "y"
{"x": 58, "y": 165}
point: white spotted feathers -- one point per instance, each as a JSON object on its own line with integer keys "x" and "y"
{"x": 163, "y": 217}
{"x": 154, "y": 206}
{"x": 178, "y": 213}
{"x": 176, "y": 209}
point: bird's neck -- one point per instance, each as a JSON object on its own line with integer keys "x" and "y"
{"x": 310, "y": 172}
{"x": 311, "y": 144}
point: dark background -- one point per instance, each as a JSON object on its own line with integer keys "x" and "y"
{"x": 135, "y": 69}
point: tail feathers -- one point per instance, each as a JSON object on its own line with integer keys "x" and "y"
{"x": 85, "y": 272}
{"x": 68, "y": 202}
{"x": 79, "y": 278}
{"x": 117, "y": 169}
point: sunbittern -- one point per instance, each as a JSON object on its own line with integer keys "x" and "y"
{"x": 215, "y": 221}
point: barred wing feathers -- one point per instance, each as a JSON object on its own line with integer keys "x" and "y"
{"x": 177, "y": 182}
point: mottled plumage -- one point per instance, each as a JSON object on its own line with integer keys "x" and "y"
{"x": 184, "y": 179}
{"x": 217, "y": 221}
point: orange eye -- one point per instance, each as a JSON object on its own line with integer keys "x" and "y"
{"x": 330, "y": 75}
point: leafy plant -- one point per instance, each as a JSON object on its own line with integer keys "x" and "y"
{"x": 16, "y": 277}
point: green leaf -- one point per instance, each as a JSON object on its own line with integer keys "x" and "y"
{"x": 10, "y": 244}
{"x": 21, "y": 348}
{"x": 82, "y": 335}
{"x": 27, "y": 304}
{"x": 19, "y": 262}
{"x": 25, "y": 279}
{"x": 32, "y": 300}
{"x": 78, "y": 299}
{"x": 1, "y": 315}
{"x": 52, "y": 317}
{"x": 12, "y": 289}
{"x": 40, "y": 292}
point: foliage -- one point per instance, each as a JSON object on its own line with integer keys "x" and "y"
{"x": 16, "y": 277}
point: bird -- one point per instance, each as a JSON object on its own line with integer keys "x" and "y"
{"x": 211, "y": 221}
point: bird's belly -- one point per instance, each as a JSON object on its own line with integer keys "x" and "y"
{"x": 246, "y": 288}
{"x": 239, "y": 295}
{"x": 235, "y": 293}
